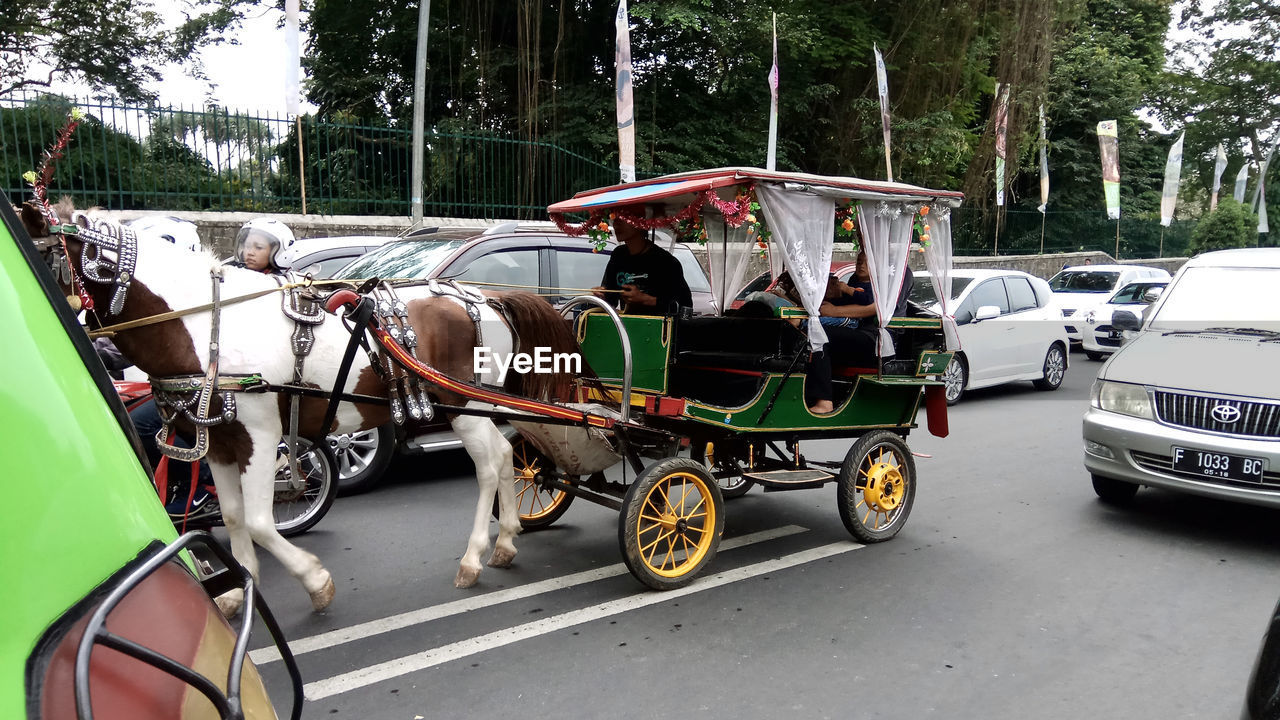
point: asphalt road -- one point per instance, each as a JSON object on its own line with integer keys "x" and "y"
{"x": 1012, "y": 592}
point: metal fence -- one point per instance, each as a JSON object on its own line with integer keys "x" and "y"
{"x": 1027, "y": 232}
{"x": 176, "y": 158}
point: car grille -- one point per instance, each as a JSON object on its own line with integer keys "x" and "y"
{"x": 1257, "y": 419}
{"x": 1068, "y": 312}
{"x": 1164, "y": 464}
{"x": 1103, "y": 336}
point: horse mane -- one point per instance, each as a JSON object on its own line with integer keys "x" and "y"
{"x": 537, "y": 324}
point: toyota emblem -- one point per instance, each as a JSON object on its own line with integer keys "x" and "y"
{"x": 1226, "y": 414}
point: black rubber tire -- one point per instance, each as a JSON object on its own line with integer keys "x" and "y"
{"x": 527, "y": 462}
{"x": 727, "y": 472}
{"x": 1115, "y": 492}
{"x": 871, "y": 482}
{"x": 703, "y": 535}
{"x": 1095, "y": 356}
{"x": 1055, "y": 369}
{"x": 320, "y": 492}
{"x": 960, "y": 373}
{"x": 370, "y": 476}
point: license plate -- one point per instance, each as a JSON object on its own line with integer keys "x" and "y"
{"x": 1218, "y": 465}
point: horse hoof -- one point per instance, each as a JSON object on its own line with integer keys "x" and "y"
{"x": 466, "y": 577}
{"x": 502, "y": 558}
{"x": 229, "y": 603}
{"x": 321, "y": 598}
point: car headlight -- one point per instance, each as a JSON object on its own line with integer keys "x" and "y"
{"x": 1123, "y": 398}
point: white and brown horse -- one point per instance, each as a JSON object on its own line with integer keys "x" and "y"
{"x": 255, "y": 338}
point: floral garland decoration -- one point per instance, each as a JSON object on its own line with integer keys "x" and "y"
{"x": 921, "y": 224}
{"x": 594, "y": 228}
{"x": 847, "y": 221}
{"x": 759, "y": 228}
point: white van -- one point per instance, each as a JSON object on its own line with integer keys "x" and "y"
{"x": 1081, "y": 288}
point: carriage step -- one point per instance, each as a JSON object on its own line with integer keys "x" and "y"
{"x": 790, "y": 479}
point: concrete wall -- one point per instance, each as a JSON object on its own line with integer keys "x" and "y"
{"x": 218, "y": 232}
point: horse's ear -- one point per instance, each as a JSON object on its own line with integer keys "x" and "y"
{"x": 35, "y": 222}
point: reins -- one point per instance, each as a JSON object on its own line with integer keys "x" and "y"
{"x": 111, "y": 330}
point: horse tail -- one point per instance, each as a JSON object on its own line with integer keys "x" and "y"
{"x": 535, "y": 323}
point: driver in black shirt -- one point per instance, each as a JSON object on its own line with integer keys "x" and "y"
{"x": 649, "y": 280}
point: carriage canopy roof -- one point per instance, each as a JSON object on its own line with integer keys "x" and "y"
{"x": 681, "y": 187}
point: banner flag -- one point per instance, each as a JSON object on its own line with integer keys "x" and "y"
{"x": 626, "y": 107}
{"x": 772, "y": 156}
{"x": 1002, "y": 128}
{"x": 1219, "y": 164}
{"x": 291, "y": 99}
{"x": 882, "y": 84}
{"x": 1262, "y": 177}
{"x": 1109, "y": 144}
{"x": 1261, "y": 207}
{"x": 1242, "y": 178}
{"x": 1172, "y": 177}
{"x": 1044, "y": 164}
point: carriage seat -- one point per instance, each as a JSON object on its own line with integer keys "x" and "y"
{"x": 737, "y": 343}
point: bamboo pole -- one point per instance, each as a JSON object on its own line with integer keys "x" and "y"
{"x": 302, "y": 168}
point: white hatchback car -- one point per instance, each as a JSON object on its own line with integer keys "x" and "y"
{"x": 1100, "y": 337}
{"x": 1082, "y": 288}
{"x": 1010, "y": 330}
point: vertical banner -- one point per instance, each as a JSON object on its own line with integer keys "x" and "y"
{"x": 1242, "y": 178}
{"x": 1262, "y": 177}
{"x": 1109, "y": 144}
{"x": 1044, "y": 164}
{"x": 626, "y": 107}
{"x": 882, "y": 85}
{"x": 1002, "y": 129}
{"x": 1172, "y": 178}
{"x": 1261, "y": 207}
{"x": 291, "y": 99}
{"x": 770, "y": 162}
{"x": 1219, "y": 164}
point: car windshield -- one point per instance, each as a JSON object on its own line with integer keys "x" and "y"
{"x": 922, "y": 292}
{"x": 760, "y": 283}
{"x": 1084, "y": 281}
{"x": 406, "y": 259}
{"x": 1132, "y": 294}
{"x": 694, "y": 275}
{"x": 1218, "y": 297}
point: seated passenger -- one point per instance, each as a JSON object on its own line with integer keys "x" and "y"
{"x": 846, "y": 344}
{"x": 647, "y": 279}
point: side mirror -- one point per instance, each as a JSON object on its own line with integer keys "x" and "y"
{"x": 1152, "y": 294}
{"x": 1125, "y": 320}
{"x": 986, "y": 312}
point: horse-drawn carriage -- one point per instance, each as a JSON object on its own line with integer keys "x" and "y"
{"x": 731, "y": 388}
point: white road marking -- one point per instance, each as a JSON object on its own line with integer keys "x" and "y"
{"x": 429, "y": 658}
{"x": 457, "y": 607}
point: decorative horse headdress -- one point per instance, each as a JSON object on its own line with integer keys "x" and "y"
{"x": 110, "y": 251}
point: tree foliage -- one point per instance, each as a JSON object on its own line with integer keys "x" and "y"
{"x": 1231, "y": 225}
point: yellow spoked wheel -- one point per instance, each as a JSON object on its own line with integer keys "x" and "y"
{"x": 672, "y": 520}
{"x": 877, "y": 486}
{"x": 537, "y": 504}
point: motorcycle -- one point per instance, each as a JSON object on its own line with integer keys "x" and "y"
{"x": 298, "y": 506}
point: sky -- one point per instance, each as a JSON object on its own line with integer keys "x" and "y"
{"x": 249, "y": 75}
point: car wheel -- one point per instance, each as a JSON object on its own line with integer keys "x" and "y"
{"x": 1094, "y": 355}
{"x": 955, "y": 378}
{"x": 1116, "y": 492}
{"x": 362, "y": 457}
{"x": 1055, "y": 369}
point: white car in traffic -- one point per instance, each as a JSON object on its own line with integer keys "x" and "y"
{"x": 1100, "y": 338}
{"x": 1010, "y": 330}
{"x": 1082, "y": 288}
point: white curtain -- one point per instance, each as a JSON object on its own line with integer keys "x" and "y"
{"x": 728, "y": 252}
{"x": 937, "y": 259}
{"x": 803, "y": 226}
{"x": 886, "y": 234}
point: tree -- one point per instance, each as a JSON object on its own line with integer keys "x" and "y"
{"x": 1231, "y": 225}
{"x": 113, "y": 45}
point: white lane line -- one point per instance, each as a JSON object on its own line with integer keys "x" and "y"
{"x": 454, "y": 651}
{"x": 424, "y": 615}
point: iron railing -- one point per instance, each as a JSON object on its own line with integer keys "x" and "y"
{"x": 126, "y": 157}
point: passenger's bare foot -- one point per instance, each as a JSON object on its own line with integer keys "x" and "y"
{"x": 822, "y": 407}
